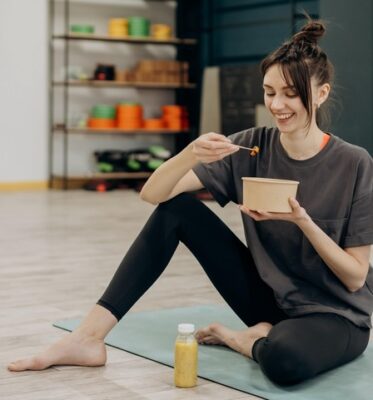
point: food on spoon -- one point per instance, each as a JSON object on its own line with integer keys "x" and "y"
{"x": 254, "y": 151}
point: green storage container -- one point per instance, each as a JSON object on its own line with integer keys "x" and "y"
{"x": 82, "y": 28}
{"x": 138, "y": 26}
{"x": 103, "y": 111}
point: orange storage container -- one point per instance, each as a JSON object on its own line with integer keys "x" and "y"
{"x": 175, "y": 124}
{"x": 101, "y": 123}
{"x": 174, "y": 110}
{"x": 154, "y": 123}
{"x": 130, "y": 116}
{"x": 130, "y": 124}
{"x": 130, "y": 110}
{"x": 175, "y": 117}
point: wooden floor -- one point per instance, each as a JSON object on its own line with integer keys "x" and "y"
{"x": 58, "y": 252}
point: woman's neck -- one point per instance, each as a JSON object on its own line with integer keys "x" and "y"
{"x": 302, "y": 145}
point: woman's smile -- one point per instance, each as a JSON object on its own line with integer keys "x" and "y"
{"x": 284, "y": 118}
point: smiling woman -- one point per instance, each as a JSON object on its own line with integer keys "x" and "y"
{"x": 304, "y": 68}
{"x": 300, "y": 133}
{"x": 303, "y": 282}
{"x": 297, "y": 81}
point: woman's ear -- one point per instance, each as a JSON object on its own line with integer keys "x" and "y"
{"x": 323, "y": 93}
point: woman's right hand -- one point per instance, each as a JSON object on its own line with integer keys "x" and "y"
{"x": 211, "y": 147}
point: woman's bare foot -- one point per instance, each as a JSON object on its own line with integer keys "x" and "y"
{"x": 73, "y": 349}
{"x": 240, "y": 341}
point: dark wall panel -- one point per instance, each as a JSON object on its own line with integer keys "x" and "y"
{"x": 244, "y": 31}
{"x": 250, "y": 40}
{"x": 234, "y": 3}
{"x": 247, "y": 16}
{"x": 349, "y": 44}
{"x": 312, "y": 7}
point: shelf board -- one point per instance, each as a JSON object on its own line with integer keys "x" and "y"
{"x": 78, "y": 182}
{"x": 118, "y": 84}
{"x": 108, "y": 175}
{"x": 129, "y": 39}
{"x": 113, "y": 3}
{"x": 118, "y": 131}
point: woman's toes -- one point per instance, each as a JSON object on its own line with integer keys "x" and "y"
{"x": 21, "y": 365}
{"x": 35, "y": 363}
{"x": 211, "y": 334}
{"x": 201, "y": 340}
{"x": 201, "y": 333}
{"x": 211, "y": 340}
{"x": 208, "y": 330}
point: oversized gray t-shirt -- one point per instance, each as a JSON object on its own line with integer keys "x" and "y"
{"x": 336, "y": 189}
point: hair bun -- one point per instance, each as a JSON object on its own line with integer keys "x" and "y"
{"x": 310, "y": 33}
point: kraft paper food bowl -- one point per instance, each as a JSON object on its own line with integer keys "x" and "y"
{"x": 268, "y": 194}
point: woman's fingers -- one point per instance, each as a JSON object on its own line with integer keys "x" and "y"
{"x": 212, "y": 140}
{"x": 208, "y": 157}
{"x": 213, "y": 153}
{"x": 293, "y": 203}
{"x": 259, "y": 215}
{"x": 212, "y": 147}
{"x": 215, "y": 136}
{"x": 207, "y": 141}
{"x": 217, "y": 147}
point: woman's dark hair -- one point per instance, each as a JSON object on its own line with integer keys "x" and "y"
{"x": 301, "y": 59}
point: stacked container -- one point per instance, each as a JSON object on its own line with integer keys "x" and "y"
{"x": 82, "y": 29}
{"x": 154, "y": 123}
{"x": 139, "y": 26}
{"x": 118, "y": 27}
{"x": 161, "y": 31}
{"x": 129, "y": 116}
{"x": 102, "y": 117}
{"x": 175, "y": 117}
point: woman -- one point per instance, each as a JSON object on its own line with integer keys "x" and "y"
{"x": 303, "y": 286}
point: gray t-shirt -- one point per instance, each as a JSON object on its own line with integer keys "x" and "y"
{"x": 336, "y": 189}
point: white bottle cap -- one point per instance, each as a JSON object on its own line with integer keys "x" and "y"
{"x": 186, "y": 328}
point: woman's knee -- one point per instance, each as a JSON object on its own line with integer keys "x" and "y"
{"x": 181, "y": 200}
{"x": 173, "y": 212}
{"x": 283, "y": 362}
{"x": 184, "y": 205}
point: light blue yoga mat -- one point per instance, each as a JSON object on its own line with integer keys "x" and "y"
{"x": 152, "y": 335}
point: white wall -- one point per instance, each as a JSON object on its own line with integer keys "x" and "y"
{"x": 23, "y": 90}
{"x": 24, "y": 83}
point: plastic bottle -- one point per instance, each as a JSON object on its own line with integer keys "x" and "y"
{"x": 186, "y": 357}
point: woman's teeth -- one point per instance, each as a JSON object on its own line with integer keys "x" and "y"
{"x": 284, "y": 116}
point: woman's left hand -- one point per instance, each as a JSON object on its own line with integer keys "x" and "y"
{"x": 298, "y": 214}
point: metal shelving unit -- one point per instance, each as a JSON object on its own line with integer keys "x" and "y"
{"x": 140, "y": 85}
{"x": 118, "y": 131}
{"x": 62, "y": 127}
{"x": 102, "y": 38}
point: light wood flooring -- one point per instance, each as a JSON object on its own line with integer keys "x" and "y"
{"x": 58, "y": 252}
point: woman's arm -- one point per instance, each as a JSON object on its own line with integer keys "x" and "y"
{"x": 175, "y": 175}
{"x": 350, "y": 265}
{"x": 159, "y": 186}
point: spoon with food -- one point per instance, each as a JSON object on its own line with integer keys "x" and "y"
{"x": 253, "y": 150}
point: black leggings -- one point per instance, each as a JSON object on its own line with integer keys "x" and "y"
{"x": 295, "y": 349}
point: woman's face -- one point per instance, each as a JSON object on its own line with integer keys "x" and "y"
{"x": 283, "y": 102}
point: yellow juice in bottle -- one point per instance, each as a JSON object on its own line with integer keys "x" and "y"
{"x": 186, "y": 357}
